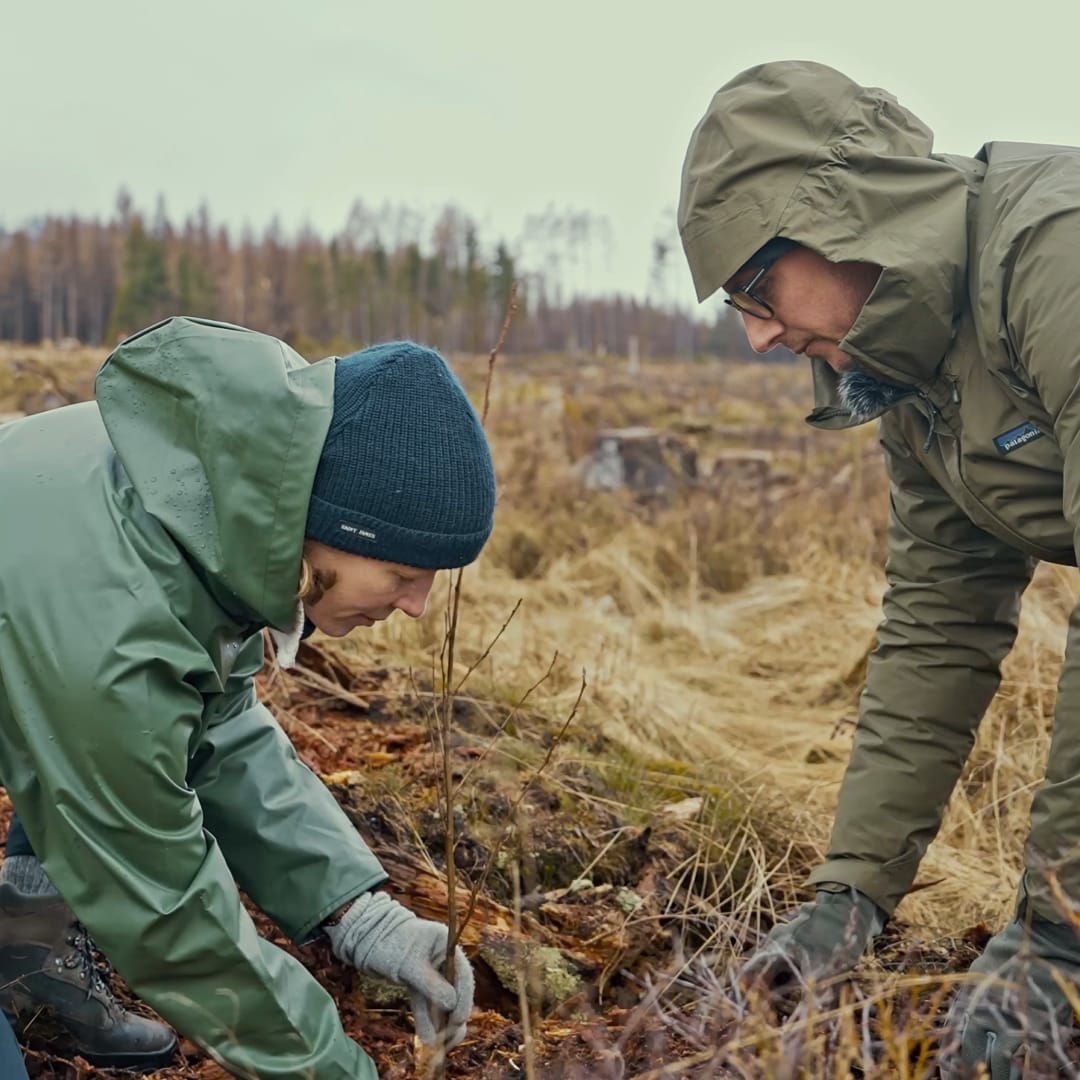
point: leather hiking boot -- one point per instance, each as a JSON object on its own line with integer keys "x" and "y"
{"x": 47, "y": 965}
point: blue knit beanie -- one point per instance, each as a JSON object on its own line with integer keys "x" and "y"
{"x": 405, "y": 473}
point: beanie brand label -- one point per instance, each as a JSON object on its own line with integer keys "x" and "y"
{"x": 355, "y": 530}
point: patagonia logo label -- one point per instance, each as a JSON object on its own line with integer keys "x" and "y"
{"x": 355, "y": 530}
{"x": 1013, "y": 439}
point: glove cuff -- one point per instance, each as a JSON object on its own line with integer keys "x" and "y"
{"x": 371, "y": 916}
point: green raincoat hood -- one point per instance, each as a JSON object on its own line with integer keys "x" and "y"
{"x": 799, "y": 150}
{"x": 220, "y": 430}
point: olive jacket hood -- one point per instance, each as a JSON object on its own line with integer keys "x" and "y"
{"x": 801, "y": 151}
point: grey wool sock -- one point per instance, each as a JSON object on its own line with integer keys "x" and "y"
{"x": 27, "y": 875}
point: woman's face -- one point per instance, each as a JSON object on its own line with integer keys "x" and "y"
{"x": 363, "y": 591}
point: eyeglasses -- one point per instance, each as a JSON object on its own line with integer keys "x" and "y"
{"x": 745, "y": 299}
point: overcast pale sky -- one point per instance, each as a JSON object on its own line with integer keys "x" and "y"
{"x": 263, "y": 107}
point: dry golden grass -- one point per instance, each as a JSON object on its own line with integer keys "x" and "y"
{"x": 726, "y": 629}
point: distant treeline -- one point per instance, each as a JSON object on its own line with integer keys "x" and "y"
{"x": 386, "y": 274}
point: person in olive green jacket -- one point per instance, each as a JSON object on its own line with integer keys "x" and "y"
{"x": 218, "y": 485}
{"x": 940, "y": 295}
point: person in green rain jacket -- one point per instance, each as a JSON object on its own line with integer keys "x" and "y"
{"x": 218, "y": 485}
{"x": 940, "y": 295}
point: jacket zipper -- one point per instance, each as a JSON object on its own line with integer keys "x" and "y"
{"x": 1017, "y": 540}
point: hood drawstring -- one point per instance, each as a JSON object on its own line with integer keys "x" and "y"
{"x": 934, "y": 413}
{"x": 933, "y": 420}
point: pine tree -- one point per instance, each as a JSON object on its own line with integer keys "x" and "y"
{"x": 145, "y": 294}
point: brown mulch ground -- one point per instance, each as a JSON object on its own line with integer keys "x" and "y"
{"x": 374, "y": 726}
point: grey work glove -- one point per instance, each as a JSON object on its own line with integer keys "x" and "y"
{"x": 379, "y": 936}
{"x": 825, "y": 938}
{"x": 1015, "y": 1020}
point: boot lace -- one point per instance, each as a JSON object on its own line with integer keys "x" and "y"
{"x": 82, "y": 959}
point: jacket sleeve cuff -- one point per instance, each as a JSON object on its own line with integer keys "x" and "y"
{"x": 885, "y": 883}
{"x": 310, "y": 930}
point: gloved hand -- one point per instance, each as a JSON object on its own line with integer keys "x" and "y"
{"x": 379, "y": 936}
{"x": 1015, "y": 1021}
{"x": 826, "y": 938}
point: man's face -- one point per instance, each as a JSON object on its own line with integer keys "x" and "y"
{"x": 815, "y": 303}
{"x": 363, "y": 591}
